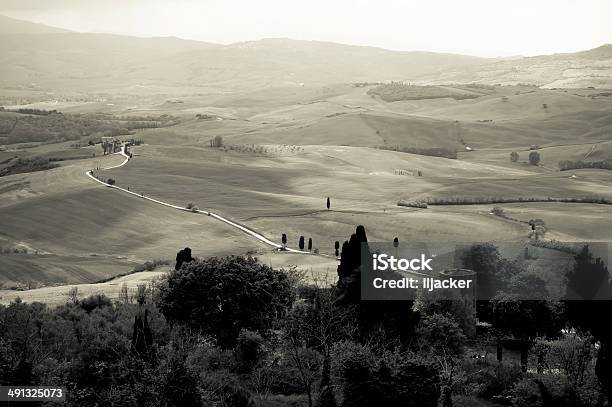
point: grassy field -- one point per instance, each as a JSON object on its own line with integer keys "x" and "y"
{"x": 292, "y": 148}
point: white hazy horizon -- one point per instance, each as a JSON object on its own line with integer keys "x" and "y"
{"x": 486, "y": 28}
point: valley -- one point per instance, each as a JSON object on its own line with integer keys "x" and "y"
{"x": 368, "y": 128}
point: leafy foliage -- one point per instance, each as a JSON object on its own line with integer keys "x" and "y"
{"x": 222, "y": 296}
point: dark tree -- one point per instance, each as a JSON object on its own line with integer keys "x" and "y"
{"x": 328, "y": 203}
{"x": 301, "y": 243}
{"x": 337, "y": 248}
{"x": 589, "y": 278}
{"x": 525, "y": 320}
{"x": 142, "y": 338}
{"x": 310, "y": 244}
{"x": 183, "y": 256}
{"x": 395, "y": 242}
{"x": 222, "y": 296}
{"x": 396, "y": 317}
{"x": 588, "y": 303}
{"x": 284, "y": 240}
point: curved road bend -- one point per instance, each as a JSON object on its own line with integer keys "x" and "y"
{"x": 244, "y": 229}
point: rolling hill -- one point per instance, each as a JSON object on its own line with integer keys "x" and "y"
{"x": 40, "y": 57}
{"x": 570, "y": 70}
{"x": 10, "y": 25}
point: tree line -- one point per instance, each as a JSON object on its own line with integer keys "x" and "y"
{"x": 231, "y": 331}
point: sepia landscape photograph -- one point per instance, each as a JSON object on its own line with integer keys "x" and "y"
{"x": 224, "y": 202}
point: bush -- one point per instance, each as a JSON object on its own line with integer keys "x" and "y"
{"x": 498, "y": 211}
{"x": 192, "y": 207}
{"x": 413, "y": 204}
{"x": 566, "y": 165}
{"x": 526, "y": 393}
{"x": 150, "y": 265}
{"x": 493, "y": 381}
{"x": 431, "y": 152}
{"x": 222, "y": 296}
{"x": 22, "y": 165}
{"x": 95, "y": 301}
{"x": 514, "y": 156}
{"x": 110, "y": 181}
{"x": 222, "y": 389}
{"x": 479, "y": 200}
{"x": 249, "y": 350}
{"x": 534, "y": 158}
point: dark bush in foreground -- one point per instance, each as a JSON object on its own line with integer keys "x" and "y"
{"x": 95, "y": 301}
{"x": 221, "y": 296}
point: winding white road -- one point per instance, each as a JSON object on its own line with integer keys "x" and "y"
{"x": 244, "y": 229}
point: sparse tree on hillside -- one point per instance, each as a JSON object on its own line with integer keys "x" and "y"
{"x": 284, "y": 240}
{"x": 337, "y": 248}
{"x": 328, "y": 203}
{"x": 514, "y": 156}
{"x": 310, "y": 244}
{"x": 534, "y": 158}
{"x": 217, "y": 141}
{"x": 301, "y": 243}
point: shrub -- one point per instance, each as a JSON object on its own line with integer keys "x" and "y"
{"x": 431, "y": 152}
{"x": 413, "y": 204}
{"x": 493, "y": 381}
{"x": 514, "y": 156}
{"x": 526, "y": 393}
{"x": 223, "y": 389}
{"x": 440, "y": 334}
{"x": 479, "y": 200}
{"x": 498, "y": 211}
{"x": 566, "y": 165}
{"x": 95, "y": 301}
{"x": 248, "y": 351}
{"x": 534, "y": 158}
{"x": 222, "y": 296}
{"x": 110, "y": 181}
{"x": 192, "y": 207}
{"x": 22, "y": 165}
{"x": 150, "y": 265}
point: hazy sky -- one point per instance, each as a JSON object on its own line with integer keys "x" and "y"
{"x": 476, "y": 27}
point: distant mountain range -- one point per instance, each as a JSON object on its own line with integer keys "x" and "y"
{"x": 13, "y": 26}
{"x": 40, "y": 57}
